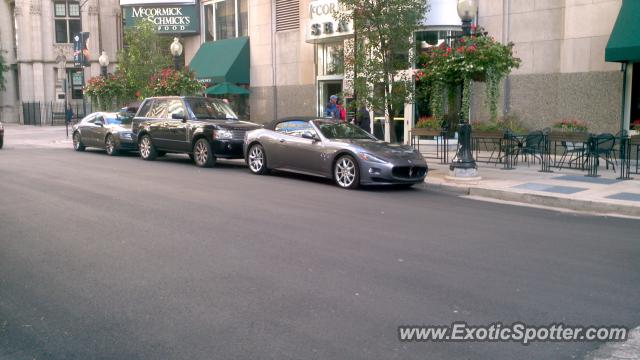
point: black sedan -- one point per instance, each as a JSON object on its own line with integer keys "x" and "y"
{"x": 105, "y": 130}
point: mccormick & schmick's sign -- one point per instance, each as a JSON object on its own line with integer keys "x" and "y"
{"x": 169, "y": 19}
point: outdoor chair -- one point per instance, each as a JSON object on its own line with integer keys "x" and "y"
{"x": 601, "y": 146}
{"x": 533, "y": 145}
{"x": 573, "y": 151}
{"x": 510, "y": 146}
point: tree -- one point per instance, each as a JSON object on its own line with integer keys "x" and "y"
{"x": 382, "y": 53}
{"x": 145, "y": 53}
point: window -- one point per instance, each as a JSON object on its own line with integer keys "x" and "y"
{"x": 225, "y": 19}
{"x": 76, "y": 81}
{"x": 211, "y": 109}
{"x": 331, "y": 59}
{"x": 66, "y": 21}
{"x": 294, "y": 128}
{"x": 145, "y": 108}
{"x": 158, "y": 110}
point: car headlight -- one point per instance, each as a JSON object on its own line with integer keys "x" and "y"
{"x": 368, "y": 157}
{"x": 222, "y": 134}
{"x": 126, "y": 136}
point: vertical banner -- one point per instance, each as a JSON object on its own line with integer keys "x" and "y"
{"x": 80, "y": 50}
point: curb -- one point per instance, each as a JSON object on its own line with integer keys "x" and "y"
{"x": 543, "y": 200}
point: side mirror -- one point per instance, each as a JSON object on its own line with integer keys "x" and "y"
{"x": 310, "y": 136}
{"x": 99, "y": 123}
{"x": 178, "y": 116}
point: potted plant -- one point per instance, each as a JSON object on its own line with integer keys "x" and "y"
{"x": 477, "y": 57}
{"x": 167, "y": 82}
{"x": 634, "y": 128}
{"x": 427, "y": 126}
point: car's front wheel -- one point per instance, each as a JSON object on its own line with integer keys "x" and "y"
{"x": 147, "y": 149}
{"x": 257, "y": 160}
{"x": 346, "y": 173}
{"x": 202, "y": 154}
{"x": 77, "y": 142}
{"x": 110, "y": 146}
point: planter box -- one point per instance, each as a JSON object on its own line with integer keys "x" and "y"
{"x": 571, "y": 136}
{"x": 425, "y": 132}
{"x": 487, "y": 134}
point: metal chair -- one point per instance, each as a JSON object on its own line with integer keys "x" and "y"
{"x": 533, "y": 145}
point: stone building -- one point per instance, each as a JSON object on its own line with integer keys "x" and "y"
{"x": 36, "y": 37}
{"x": 279, "y": 49}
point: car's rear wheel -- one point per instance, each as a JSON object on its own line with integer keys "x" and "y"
{"x": 147, "y": 149}
{"x": 202, "y": 154}
{"x": 77, "y": 142}
{"x": 346, "y": 173}
{"x": 257, "y": 160}
{"x": 110, "y": 146}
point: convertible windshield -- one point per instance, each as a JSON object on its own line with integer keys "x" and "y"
{"x": 204, "y": 108}
{"x": 342, "y": 130}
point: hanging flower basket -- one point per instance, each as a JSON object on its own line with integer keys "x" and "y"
{"x": 472, "y": 58}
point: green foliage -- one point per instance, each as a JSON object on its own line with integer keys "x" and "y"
{"x": 3, "y": 68}
{"x": 384, "y": 31}
{"x": 571, "y": 124}
{"x": 472, "y": 57}
{"x": 168, "y": 82}
{"x": 429, "y": 122}
{"x": 501, "y": 124}
{"x": 145, "y": 53}
{"x": 103, "y": 91}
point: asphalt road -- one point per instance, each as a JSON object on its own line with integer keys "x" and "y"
{"x": 118, "y": 258}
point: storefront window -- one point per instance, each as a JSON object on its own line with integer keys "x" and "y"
{"x": 428, "y": 38}
{"x": 330, "y": 59}
{"x": 225, "y": 19}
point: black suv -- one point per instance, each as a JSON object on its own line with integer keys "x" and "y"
{"x": 204, "y": 128}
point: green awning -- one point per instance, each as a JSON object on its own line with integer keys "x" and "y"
{"x": 624, "y": 42}
{"x": 225, "y": 89}
{"x": 223, "y": 61}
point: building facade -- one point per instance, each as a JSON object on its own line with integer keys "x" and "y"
{"x": 293, "y": 59}
{"x": 36, "y": 38}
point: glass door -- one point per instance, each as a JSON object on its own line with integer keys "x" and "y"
{"x": 325, "y": 90}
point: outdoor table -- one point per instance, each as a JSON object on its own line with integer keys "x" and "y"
{"x": 574, "y": 142}
{"x": 489, "y": 139}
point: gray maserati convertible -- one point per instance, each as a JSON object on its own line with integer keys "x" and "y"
{"x": 332, "y": 149}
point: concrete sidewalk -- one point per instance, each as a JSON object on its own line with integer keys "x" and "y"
{"x": 567, "y": 188}
{"x": 18, "y": 136}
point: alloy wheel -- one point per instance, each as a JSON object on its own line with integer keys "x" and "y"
{"x": 345, "y": 172}
{"x": 77, "y": 142}
{"x": 256, "y": 158}
{"x": 201, "y": 153}
{"x": 145, "y": 147}
{"x": 109, "y": 145}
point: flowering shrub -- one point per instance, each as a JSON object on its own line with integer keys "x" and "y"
{"x": 635, "y": 125}
{"x": 428, "y": 122}
{"x": 103, "y": 91}
{"x": 501, "y": 124}
{"x": 476, "y": 57}
{"x": 174, "y": 82}
{"x": 571, "y": 124}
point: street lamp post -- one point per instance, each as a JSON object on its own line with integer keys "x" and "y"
{"x": 465, "y": 166}
{"x": 103, "y": 59}
{"x": 176, "y": 51}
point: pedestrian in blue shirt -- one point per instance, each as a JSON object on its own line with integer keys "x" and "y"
{"x": 331, "y": 109}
